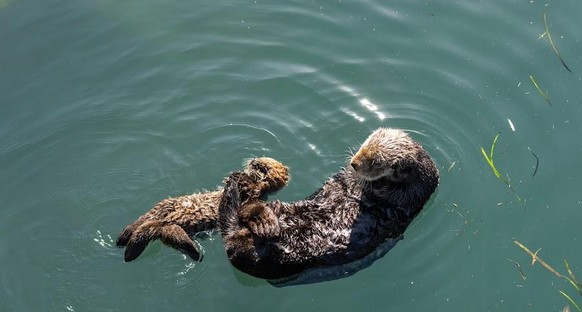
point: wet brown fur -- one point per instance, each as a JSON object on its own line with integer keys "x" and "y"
{"x": 174, "y": 220}
{"x": 389, "y": 180}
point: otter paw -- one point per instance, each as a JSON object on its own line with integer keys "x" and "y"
{"x": 248, "y": 188}
{"x": 265, "y": 226}
{"x": 260, "y": 219}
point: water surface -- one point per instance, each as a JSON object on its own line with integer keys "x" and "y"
{"x": 109, "y": 107}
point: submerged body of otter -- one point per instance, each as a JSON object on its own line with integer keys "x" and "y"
{"x": 390, "y": 179}
{"x": 174, "y": 220}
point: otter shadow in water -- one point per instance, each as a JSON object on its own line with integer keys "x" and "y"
{"x": 365, "y": 205}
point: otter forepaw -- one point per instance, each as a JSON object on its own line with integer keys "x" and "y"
{"x": 265, "y": 227}
{"x": 260, "y": 219}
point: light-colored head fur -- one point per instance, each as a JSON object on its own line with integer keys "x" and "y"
{"x": 385, "y": 153}
{"x": 268, "y": 170}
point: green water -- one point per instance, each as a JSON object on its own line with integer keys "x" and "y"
{"x": 107, "y": 107}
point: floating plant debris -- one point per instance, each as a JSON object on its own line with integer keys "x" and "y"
{"x": 571, "y": 279}
{"x": 511, "y": 125}
{"x": 537, "y": 162}
{"x": 544, "y": 94}
{"x": 547, "y": 32}
{"x": 571, "y": 301}
{"x": 518, "y": 268}
{"x": 535, "y": 259}
{"x": 491, "y": 163}
{"x": 489, "y": 159}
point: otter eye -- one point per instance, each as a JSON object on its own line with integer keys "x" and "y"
{"x": 376, "y": 164}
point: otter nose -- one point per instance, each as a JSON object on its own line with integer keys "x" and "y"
{"x": 355, "y": 165}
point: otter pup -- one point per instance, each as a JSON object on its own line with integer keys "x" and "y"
{"x": 174, "y": 220}
{"x": 373, "y": 200}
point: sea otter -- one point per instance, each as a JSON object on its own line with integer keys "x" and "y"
{"x": 374, "y": 199}
{"x": 175, "y": 220}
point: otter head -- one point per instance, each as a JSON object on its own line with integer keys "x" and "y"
{"x": 386, "y": 153}
{"x": 265, "y": 169}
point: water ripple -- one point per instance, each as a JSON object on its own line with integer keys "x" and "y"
{"x": 129, "y": 103}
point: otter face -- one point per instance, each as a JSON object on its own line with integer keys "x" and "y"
{"x": 268, "y": 170}
{"x": 384, "y": 154}
{"x": 371, "y": 168}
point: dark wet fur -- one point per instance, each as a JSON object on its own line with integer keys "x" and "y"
{"x": 343, "y": 221}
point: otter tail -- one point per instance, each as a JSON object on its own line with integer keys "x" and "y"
{"x": 170, "y": 234}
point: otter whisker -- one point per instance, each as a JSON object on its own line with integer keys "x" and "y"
{"x": 247, "y": 161}
{"x": 350, "y": 154}
{"x": 365, "y": 185}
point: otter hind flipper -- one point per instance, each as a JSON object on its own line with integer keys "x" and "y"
{"x": 125, "y": 235}
{"x": 175, "y": 237}
{"x": 171, "y": 235}
{"x": 140, "y": 238}
{"x": 134, "y": 249}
